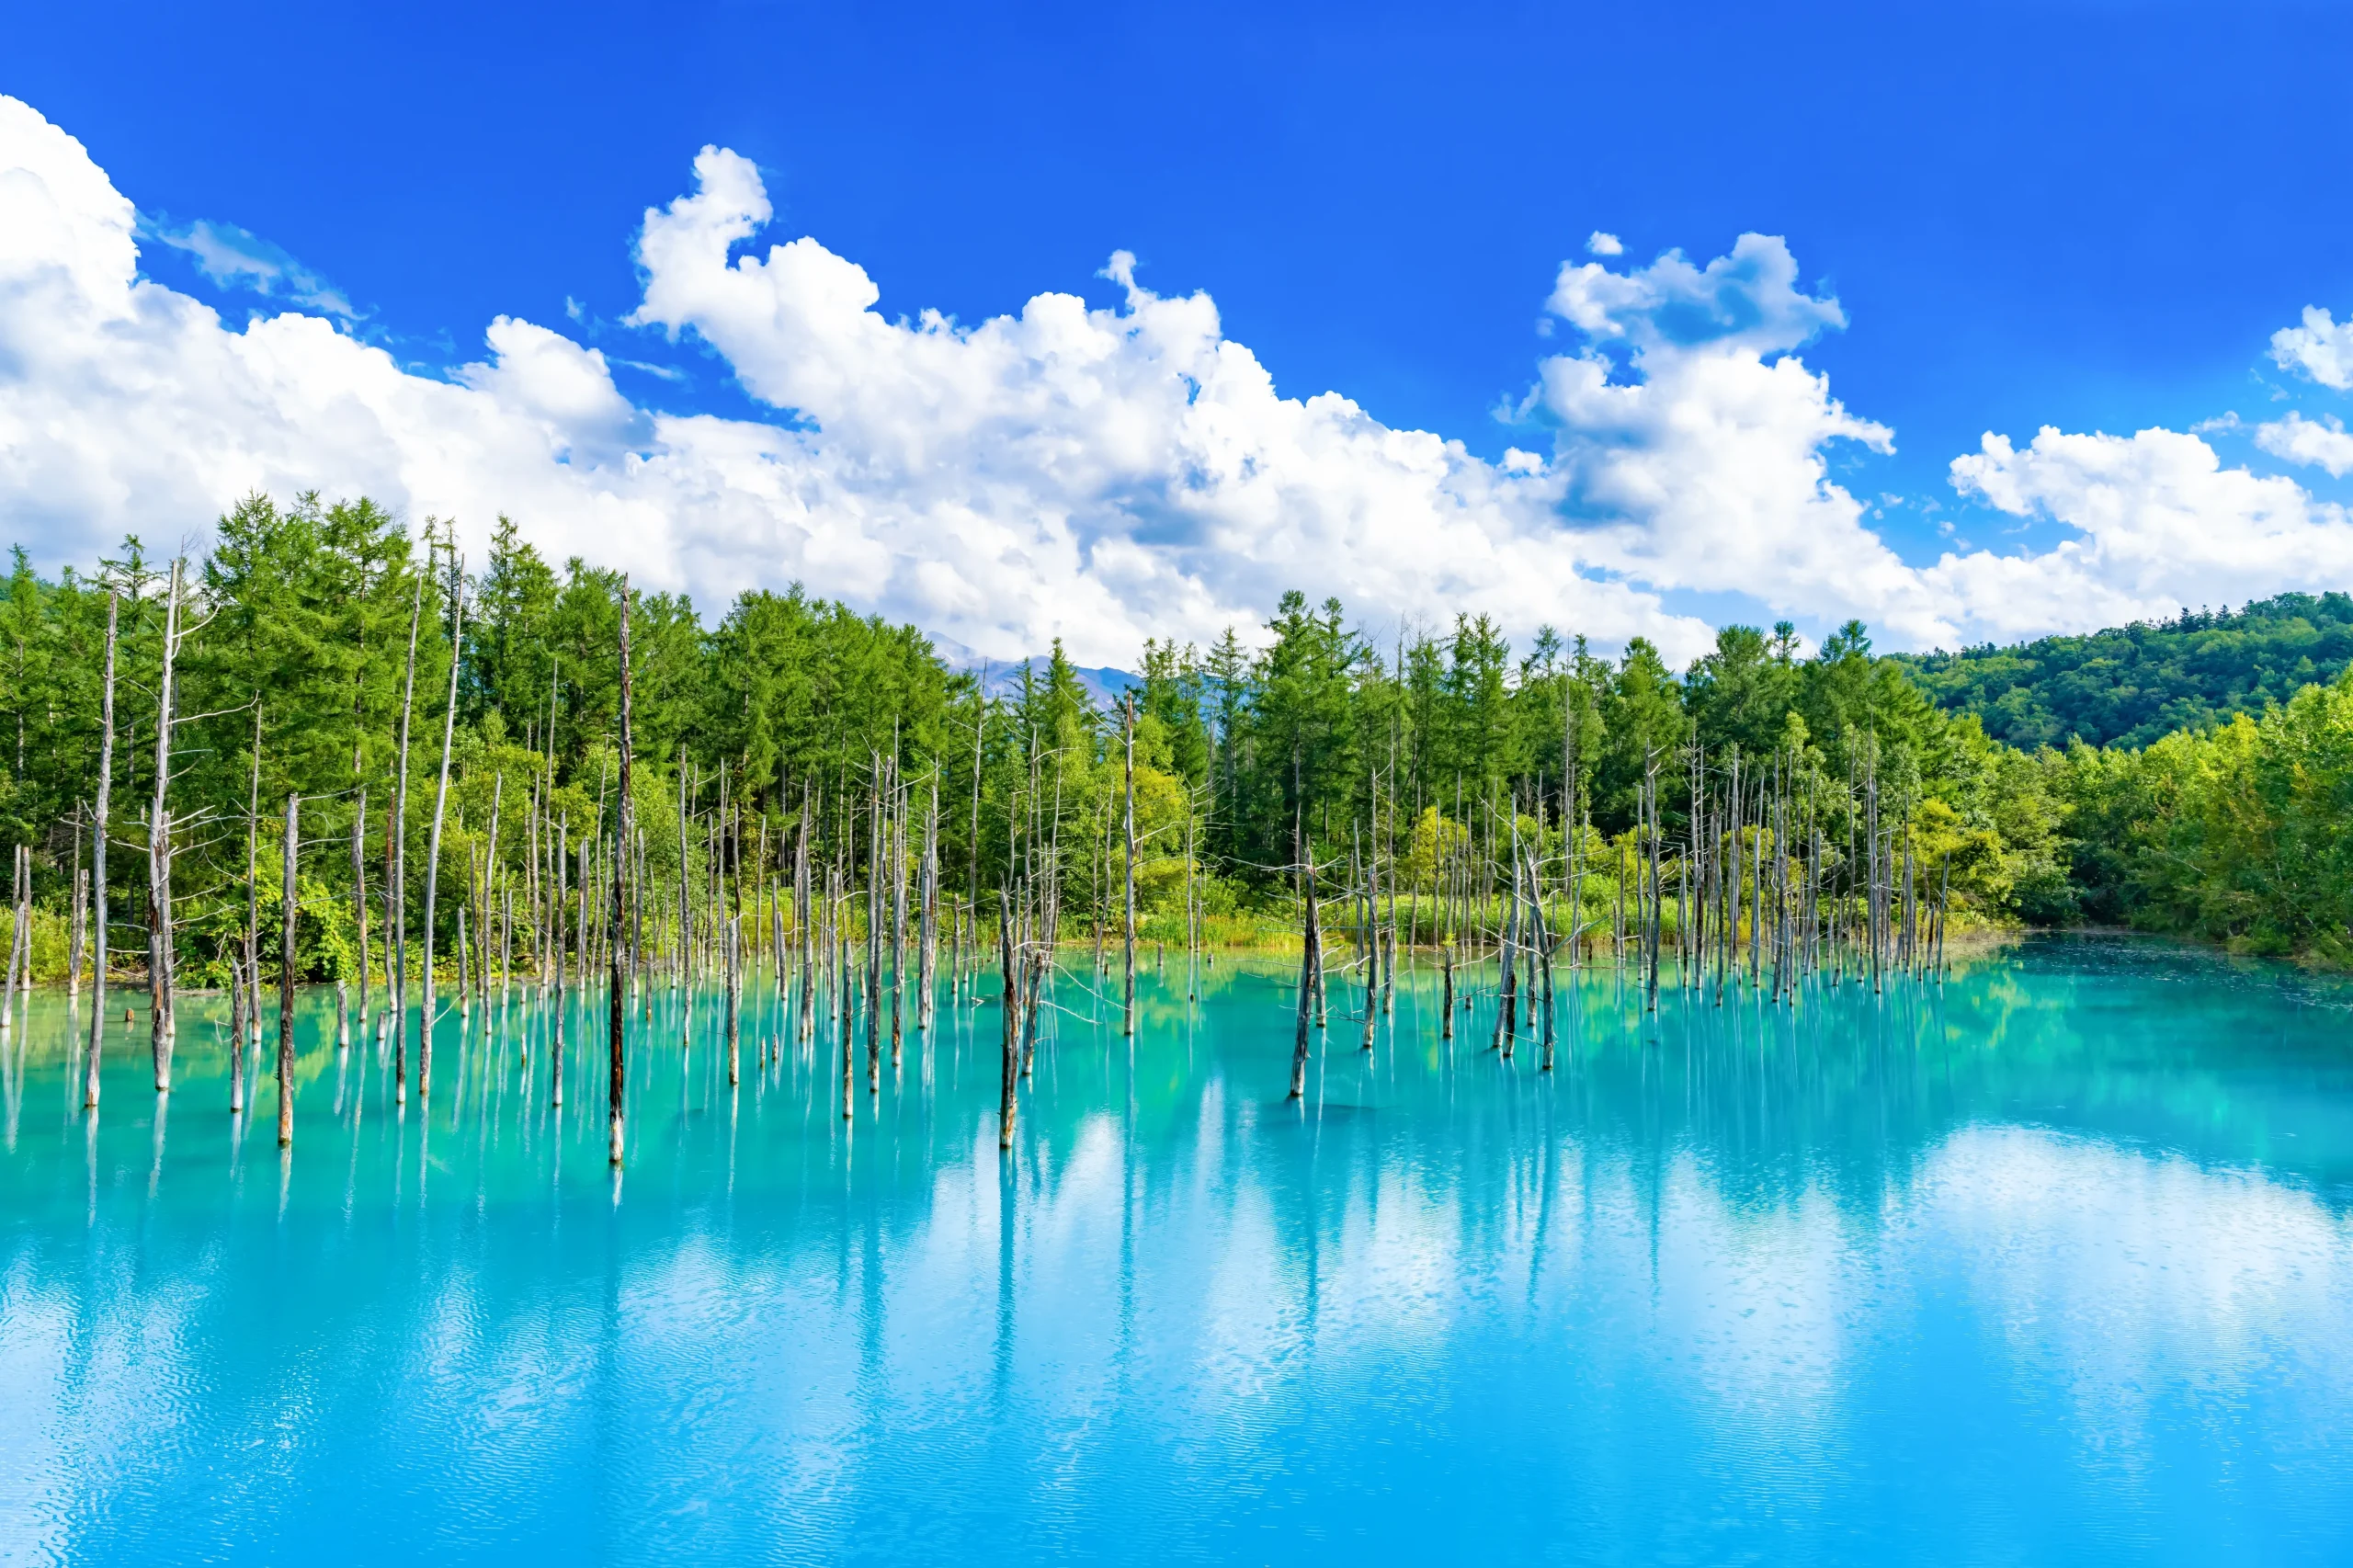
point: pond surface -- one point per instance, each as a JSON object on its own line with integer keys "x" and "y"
{"x": 2048, "y": 1263}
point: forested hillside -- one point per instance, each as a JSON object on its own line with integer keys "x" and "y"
{"x": 314, "y": 658}
{"x": 2129, "y": 685}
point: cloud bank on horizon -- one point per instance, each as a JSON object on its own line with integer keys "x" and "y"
{"x": 1099, "y": 475}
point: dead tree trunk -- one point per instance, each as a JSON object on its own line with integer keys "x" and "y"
{"x": 238, "y": 1007}
{"x": 17, "y": 921}
{"x": 1310, "y": 966}
{"x": 285, "y": 990}
{"x": 396, "y": 894}
{"x": 929, "y": 936}
{"x": 98, "y": 868}
{"x": 1128, "y": 1012}
{"x": 159, "y": 855}
{"x": 433, "y": 844}
{"x": 624, "y": 817}
{"x": 1009, "y": 1070}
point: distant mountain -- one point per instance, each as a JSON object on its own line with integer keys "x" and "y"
{"x": 2131, "y": 683}
{"x": 1104, "y": 685}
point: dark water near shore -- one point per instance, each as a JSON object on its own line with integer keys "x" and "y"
{"x": 2051, "y": 1263}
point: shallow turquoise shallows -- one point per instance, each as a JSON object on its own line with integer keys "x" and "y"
{"x": 2050, "y": 1263}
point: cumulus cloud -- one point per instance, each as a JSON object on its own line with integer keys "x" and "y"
{"x": 1100, "y": 474}
{"x": 2320, "y": 348}
{"x": 2158, "y": 524}
{"x": 1602, "y": 244}
{"x": 1706, "y": 468}
{"x": 2317, "y": 443}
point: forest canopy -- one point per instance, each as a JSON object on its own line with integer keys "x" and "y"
{"x": 296, "y": 673}
{"x": 2129, "y": 684}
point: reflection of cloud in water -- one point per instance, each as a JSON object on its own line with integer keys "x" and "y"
{"x": 2118, "y": 1277}
{"x": 1784, "y": 1286}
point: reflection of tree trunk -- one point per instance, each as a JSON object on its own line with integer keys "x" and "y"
{"x": 1005, "y": 1313}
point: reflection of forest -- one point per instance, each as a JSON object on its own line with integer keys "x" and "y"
{"x": 1713, "y": 1246}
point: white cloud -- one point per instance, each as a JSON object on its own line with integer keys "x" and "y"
{"x": 1707, "y": 469}
{"x": 1747, "y": 301}
{"x": 2159, "y": 523}
{"x": 1602, "y": 244}
{"x": 236, "y": 258}
{"x": 2320, "y": 443}
{"x": 2321, "y": 348}
{"x": 1102, "y": 475}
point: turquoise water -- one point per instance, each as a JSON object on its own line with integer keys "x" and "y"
{"x": 2051, "y": 1263}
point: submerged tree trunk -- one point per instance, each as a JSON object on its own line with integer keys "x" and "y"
{"x": 734, "y": 993}
{"x": 898, "y": 914}
{"x": 686, "y": 918}
{"x": 433, "y": 844}
{"x": 1009, "y": 1069}
{"x": 160, "y": 1029}
{"x": 17, "y": 921}
{"x": 928, "y": 938}
{"x": 285, "y": 990}
{"x": 1128, "y": 1009}
{"x": 359, "y": 897}
{"x": 396, "y": 891}
{"x": 80, "y": 937}
{"x": 874, "y": 938}
{"x": 839, "y": 901}
{"x": 237, "y": 1009}
{"x": 555, "y": 943}
{"x": 99, "y": 867}
{"x": 1310, "y": 964}
{"x": 616, "y": 1053}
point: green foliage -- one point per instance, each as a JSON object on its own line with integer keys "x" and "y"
{"x": 303, "y": 618}
{"x": 2236, "y": 833}
{"x": 2130, "y": 685}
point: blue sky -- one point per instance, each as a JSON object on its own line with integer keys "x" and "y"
{"x": 2092, "y": 217}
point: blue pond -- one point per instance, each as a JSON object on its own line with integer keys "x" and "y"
{"x": 2048, "y": 1263}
